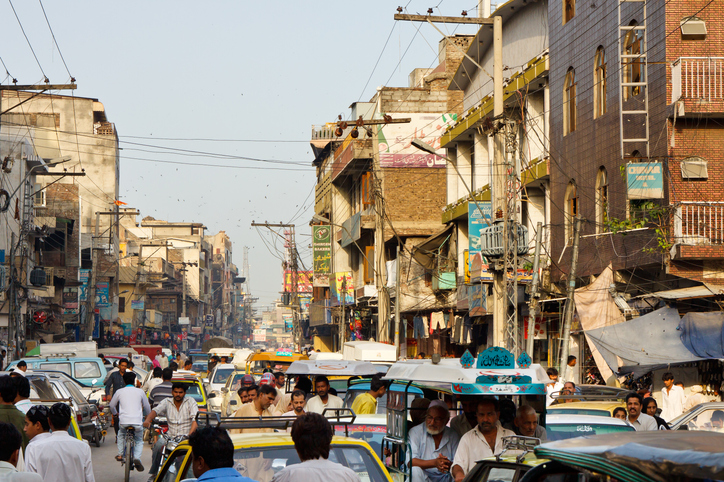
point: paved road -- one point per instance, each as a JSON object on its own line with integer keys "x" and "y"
{"x": 105, "y": 467}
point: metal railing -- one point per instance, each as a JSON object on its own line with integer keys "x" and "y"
{"x": 698, "y": 78}
{"x": 699, "y": 223}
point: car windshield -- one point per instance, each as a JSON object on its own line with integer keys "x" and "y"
{"x": 200, "y": 366}
{"x": 265, "y": 463}
{"x": 372, "y": 434}
{"x": 42, "y": 388}
{"x": 562, "y": 431}
{"x": 221, "y": 375}
{"x": 259, "y": 365}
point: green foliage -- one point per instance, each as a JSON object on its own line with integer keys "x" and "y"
{"x": 645, "y": 214}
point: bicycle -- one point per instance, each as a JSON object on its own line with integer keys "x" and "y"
{"x": 127, "y": 458}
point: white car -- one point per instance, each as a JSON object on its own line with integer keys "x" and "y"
{"x": 216, "y": 380}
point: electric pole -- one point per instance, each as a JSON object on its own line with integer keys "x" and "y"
{"x": 570, "y": 303}
{"x": 533, "y": 306}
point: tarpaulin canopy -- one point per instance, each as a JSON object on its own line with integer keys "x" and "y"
{"x": 652, "y": 339}
{"x": 703, "y": 333}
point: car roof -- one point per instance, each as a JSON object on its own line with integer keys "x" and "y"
{"x": 661, "y": 454}
{"x": 252, "y": 440}
{"x": 555, "y": 419}
{"x": 592, "y": 405}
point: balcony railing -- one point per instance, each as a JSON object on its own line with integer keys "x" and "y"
{"x": 699, "y": 223}
{"x": 698, "y": 78}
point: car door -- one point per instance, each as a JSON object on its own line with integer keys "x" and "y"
{"x": 177, "y": 466}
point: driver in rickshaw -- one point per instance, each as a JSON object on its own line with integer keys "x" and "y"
{"x": 433, "y": 445}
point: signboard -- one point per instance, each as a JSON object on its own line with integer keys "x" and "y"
{"x": 196, "y": 329}
{"x": 102, "y": 299}
{"x": 70, "y": 301}
{"x": 84, "y": 277}
{"x": 645, "y": 180}
{"x": 342, "y": 289}
{"x": 184, "y": 320}
{"x": 480, "y": 215}
{"x": 137, "y": 304}
{"x": 259, "y": 336}
{"x": 322, "y": 253}
{"x": 304, "y": 282}
{"x": 284, "y": 352}
{"x": 209, "y": 320}
{"x": 394, "y": 140}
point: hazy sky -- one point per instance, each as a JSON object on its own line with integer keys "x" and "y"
{"x": 227, "y": 80}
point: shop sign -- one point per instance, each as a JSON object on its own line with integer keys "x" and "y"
{"x": 645, "y": 180}
{"x": 196, "y": 329}
{"x": 137, "y": 304}
{"x": 84, "y": 277}
{"x": 184, "y": 320}
{"x": 322, "y": 252}
{"x": 102, "y": 299}
{"x": 480, "y": 216}
{"x": 70, "y": 301}
{"x": 394, "y": 141}
{"x": 343, "y": 289}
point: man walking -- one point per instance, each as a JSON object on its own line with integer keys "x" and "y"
{"x": 672, "y": 398}
{"x": 114, "y": 382}
{"x": 433, "y": 445}
{"x": 323, "y": 399}
{"x": 180, "y": 411}
{"x": 312, "y": 436}
{"x": 60, "y": 457}
{"x": 10, "y": 442}
{"x": 130, "y": 404}
{"x": 640, "y": 421}
{"x": 485, "y": 440}
{"x": 366, "y": 404}
{"x": 570, "y": 373}
{"x": 8, "y": 412}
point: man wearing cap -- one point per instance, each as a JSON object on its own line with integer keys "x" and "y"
{"x": 433, "y": 445}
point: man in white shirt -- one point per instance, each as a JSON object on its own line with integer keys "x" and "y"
{"x": 640, "y": 421}
{"x": 554, "y": 387}
{"x": 485, "y": 440}
{"x": 312, "y": 436}
{"x": 10, "y": 442}
{"x": 131, "y": 405}
{"x": 60, "y": 457}
{"x": 22, "y": 401}
{"x": 672, "y": 398}
{"x": 570, "y": 374}
{"x": 433, "y": 445}
{"x": 323, "y": 399}
{"x": 298, "y": 404}
{"x": 36, "y": 424}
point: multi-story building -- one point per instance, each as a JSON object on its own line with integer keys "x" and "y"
{"x": 380, "y": 194}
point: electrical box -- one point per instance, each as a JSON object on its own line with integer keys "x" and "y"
{"x": 492, "y": 241}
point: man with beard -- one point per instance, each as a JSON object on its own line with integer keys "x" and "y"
{"x": 261, "y": 406}
{"x": 433, "y": 445}
{"x": 485, "y": 440}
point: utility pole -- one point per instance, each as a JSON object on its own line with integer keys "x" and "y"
{"x": 94, "y": 277}
{"x": 397, "y": 303}
{"x": 533, "y": 306}
{"x": 570, "y": 303}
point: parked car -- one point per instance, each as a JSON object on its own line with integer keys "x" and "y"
{"x": 65, "y": 388}
{"x": 705, "y": 416}
{"x": 89, "y": 371}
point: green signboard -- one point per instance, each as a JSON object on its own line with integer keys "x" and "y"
{"x": 322, "y": 250}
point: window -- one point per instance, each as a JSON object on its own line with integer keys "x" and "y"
{"x": 369, "y": 264}
{"x": 367, "y": 193}
{"x": 599, "y": 83}
{"x": 569, "y": 10}
{"x": 601, "y": 201}
{"x": 121, "y": 304}
{"x": 569, "y": 102}
{"x": 571, "y": 209}
{"x": 87, "y": 369}
{"x": 632, "y": 65}
{"x": 61, "y": 367}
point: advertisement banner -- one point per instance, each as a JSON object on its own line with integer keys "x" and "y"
{"x": 70, "y": 301}
{"x": 259, "y": 336}
{"x": 343, "y": 289}
{"x": 84, "y": 277}
{"x": 304, "y": 283}
{"x": 645, "y": 180}
{"x": 137, "y": 304}
{"x": 102, "y": 299}
{"x": 478, "y": 218}
{"x": 322, "y": 252}
{"x": 394, "y": 140}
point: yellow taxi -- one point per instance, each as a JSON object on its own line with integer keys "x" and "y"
{"x": 260, "y": 456}
{"x": 276, "y": 361}
{"x": 195, "y": 388}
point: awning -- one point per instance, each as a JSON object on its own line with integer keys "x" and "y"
{"x": 703, "y": 291}
{"x": 425, "y": 252}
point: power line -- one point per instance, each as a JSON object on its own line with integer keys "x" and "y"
{"x": 28, "y": 40}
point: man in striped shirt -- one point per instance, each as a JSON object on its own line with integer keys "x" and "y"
{"x": 163, "y": 389}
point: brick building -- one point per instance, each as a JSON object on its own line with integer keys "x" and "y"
{"x": 379, "y": 193}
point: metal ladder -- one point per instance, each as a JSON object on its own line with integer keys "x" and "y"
{"x": 633, "y": 117}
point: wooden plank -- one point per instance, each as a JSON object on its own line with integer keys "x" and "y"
{"x": 40, "y": 87}
{"x": 440, "y": 19}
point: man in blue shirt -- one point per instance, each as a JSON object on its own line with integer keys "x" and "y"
{"x": 433, "y": 445}
{"x": 213, "y": 456}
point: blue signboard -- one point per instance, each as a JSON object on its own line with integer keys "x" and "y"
{"x": 478, "y": 218}
{"x": 645, "y": 180}
{"x": 102, "y": 299}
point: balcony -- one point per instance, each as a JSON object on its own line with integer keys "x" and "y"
{"x": 699, "y": 83}
{"x": 699, "y": 230}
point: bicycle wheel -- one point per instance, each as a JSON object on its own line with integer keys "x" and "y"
{"x": 128, "y": 455}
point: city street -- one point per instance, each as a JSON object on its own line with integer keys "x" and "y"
{"x": 105, "y": 467}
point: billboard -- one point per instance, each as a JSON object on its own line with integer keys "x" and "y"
{"x": 304, "y": 283}
{"x": 480, "y": 216}
{"x": 102, "y": 299}
{"x": 342, "y": 289}
{"x": 394, "y": 140}
{"x": 322, "y": 253}
{"x": 259, "y": 336}
{"x": 84, "y": 277}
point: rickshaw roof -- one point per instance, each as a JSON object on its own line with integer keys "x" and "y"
{"x": 494, "y": 372}
{"x": 334, "y": 367}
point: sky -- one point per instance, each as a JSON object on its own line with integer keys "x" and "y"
{"x": 195, "y": 85}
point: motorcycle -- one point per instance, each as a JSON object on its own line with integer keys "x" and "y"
{"x": 100, "y": 416}
{"x": 170, "y": 443}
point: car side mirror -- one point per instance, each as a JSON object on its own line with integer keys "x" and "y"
{"x": 224, "y": 390}
{"x": 205, "y": 380}
{"x": 212, "y": 395}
